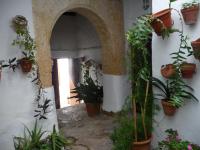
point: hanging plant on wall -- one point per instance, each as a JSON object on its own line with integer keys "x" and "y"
{"x": 28, "y": 63}
{"x": 162, "y": 22}
{"x": 25, "y": 42}
{"x": 196, "y": 48}
{"x": 190, "y": 12}
{"x": 175, "y": 91}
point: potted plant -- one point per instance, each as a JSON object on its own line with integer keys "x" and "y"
{"x": 187, "y": 69}
{"x": 168, "y": 70}
{"x": 140, "y": 72}
{"x": 26, "y": 42}
{"x": 196, "y": 48}
{"x": 173, "y": 94}
{"x": 90, "y": 91}
{"x": 162, "y": 20}
{"x": 190, "y": 12}
{"x": 174, "y": 142}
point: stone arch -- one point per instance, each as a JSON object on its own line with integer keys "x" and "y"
{"x": 107, "y": 18}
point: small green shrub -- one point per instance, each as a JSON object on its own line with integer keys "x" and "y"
{"x": 32, "y": 140}
{"x": 122, "y": 136}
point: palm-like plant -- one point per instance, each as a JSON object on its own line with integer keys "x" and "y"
{"x": 174, "y": 92}
{"x": 89, "y": 91}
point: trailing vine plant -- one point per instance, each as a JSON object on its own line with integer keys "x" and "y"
{"x": 176, "y": 82}
{"x": 27, "y": 44}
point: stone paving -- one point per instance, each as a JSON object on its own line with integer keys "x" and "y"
{"x": 89, "y": 133}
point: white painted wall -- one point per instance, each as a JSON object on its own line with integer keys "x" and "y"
{"x": 117, "y": 87}
{"x": 115, "y": 92}
{"x": 132, "y": 10}
{"x": 186, "y": 120}
{"x": 16, "y": 89}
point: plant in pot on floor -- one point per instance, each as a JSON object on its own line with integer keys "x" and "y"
{"x": 173, "y": 94}
{"x": 139, "y": 65}
{"x": 90, "y": 91}
{"x": 25, "y": 42}
{"x": 190, "y": 12}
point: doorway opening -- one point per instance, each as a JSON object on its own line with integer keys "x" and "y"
{"x": 74, "y": 41}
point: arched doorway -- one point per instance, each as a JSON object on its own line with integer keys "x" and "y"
{"x": 74, "y": 41}
{"x": 107, "y": 18}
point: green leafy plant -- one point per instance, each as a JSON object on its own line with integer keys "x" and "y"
{"x": 11, "y": 64}
{"x": 27, "y": 44}
{"x": 32, "y": 140}
{"x": 122, "y": 136}
{"x": 139, "y": 74}
{"x": 175, "y": 89}
{"x": 190, "y": 4}
{"x": 173, "y": 93}
{"x": 24, "y": 40}
{"x": 174, "y": 142}
{"x": 90, "y": 91}
{"x": 56, "y": 141}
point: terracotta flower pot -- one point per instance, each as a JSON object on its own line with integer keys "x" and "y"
{"x": 188, "y": 69}
{"x": 190, "y": 14}
{"x": 93, "y": 109}
{"x": 196, "y": 48}
{"x": 168, "y": 108}
{"x": 26, "y": 65}
{"x": 168, "y": 70}
{"x": 162, "y": 20}
{"x": 142, "y": 145}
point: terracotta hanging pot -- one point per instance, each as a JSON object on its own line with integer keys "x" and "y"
{"x": 162, "y": 19}
{"x": 26, "y": 65}
{"x": 190, "y": 14}
{"x": 93, "y": 109}
{"x": 196, "y": 48}
{"x": 168, "y": 70}
{"x": 188, "y": 69}
{"x": 142, "y": 145}
{"x": 168, "y": 108}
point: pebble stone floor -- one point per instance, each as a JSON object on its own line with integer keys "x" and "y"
{"x": 88, "y": 133}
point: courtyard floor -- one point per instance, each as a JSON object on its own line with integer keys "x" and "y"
{"x": 88, "y": 133}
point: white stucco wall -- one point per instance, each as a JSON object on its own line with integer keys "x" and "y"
{"x": 16, "y": 90}
{"x": 132, "y": 10}
{"x": 186, "y": 120}
{"x": 117, "y": 87}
